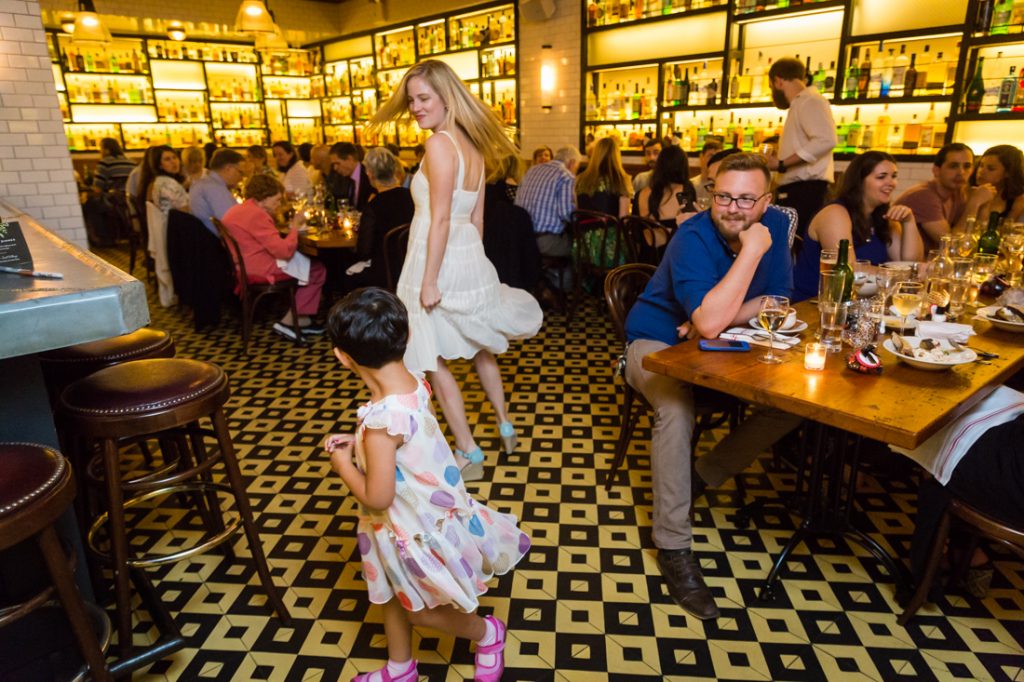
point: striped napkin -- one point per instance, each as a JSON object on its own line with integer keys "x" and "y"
{"x": 757, "y": 337}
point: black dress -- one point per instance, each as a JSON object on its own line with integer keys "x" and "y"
{"x": 605, "y": 202}
{"x": 509, "y": 241}
{"x": 385, "y": 211}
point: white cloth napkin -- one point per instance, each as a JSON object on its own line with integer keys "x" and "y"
{"x": 356, "y": 268}
{"x": 758, "y": 338}
{"x": 297, "y": 266}
{"x": 944, "y": 330}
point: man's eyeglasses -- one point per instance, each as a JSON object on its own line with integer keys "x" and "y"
{"x": 722, "y": 199}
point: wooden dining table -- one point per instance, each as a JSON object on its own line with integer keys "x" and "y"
{"x": 902, "y": 406}
{"x": 312, "y": 242}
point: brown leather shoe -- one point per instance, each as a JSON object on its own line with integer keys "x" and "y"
{"x": 686, "y": 584}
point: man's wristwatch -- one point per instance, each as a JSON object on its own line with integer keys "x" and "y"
{"x": 781, "y": 168}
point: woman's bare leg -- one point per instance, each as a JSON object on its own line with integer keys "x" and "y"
{"x": 490, "y": 378}
{"x": 448, "y": 393}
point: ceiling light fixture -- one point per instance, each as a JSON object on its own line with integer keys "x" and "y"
{"x": 176, "y": 31}
{"x": 254, "y": 17}
{"x": 89, "y": 28}
{"x": 67, "y": 22}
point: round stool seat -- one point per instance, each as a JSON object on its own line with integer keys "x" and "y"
{"x": 143, "y": 343}
{"x": 28, "y": 473}
{"x": 142, "y": 387}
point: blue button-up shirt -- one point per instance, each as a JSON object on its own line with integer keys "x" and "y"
{"x": 696, "y": 260}
{"x": 548, "y": 193}
{"x": 210, "y": 198}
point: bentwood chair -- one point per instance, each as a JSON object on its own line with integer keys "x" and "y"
{"x": 648, "y": 238}
{"x": 979, "y": 524}
{"x": 599, "y": 245}
{"x": 396, "y": 243}
{"x": 622, "y": 286}
{"x": 251, "y": 293}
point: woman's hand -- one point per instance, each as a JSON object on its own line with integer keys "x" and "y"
{"x": 430, "y": 296}
{"x": 900, "y": 214}
{"x": 683, "y": 217}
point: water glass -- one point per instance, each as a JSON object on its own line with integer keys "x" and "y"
{"x": 1012, "y": 246}
{"x": 959, "y": 284}
{"x": 833, "y": 319}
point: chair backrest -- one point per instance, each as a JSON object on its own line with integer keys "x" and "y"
{"x": 622, "y": 286}
{"x": 598, "y": 241}
{"x": 236, "y": 256}
{"x": 794, "y": 220}
{"x": 989, "y": 527}
{"x": 644, "y": 235}
{"x": 396, "y": 243}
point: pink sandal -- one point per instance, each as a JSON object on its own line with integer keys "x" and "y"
{"x": 491, "y": 673}
{"x": 410, "y": 675}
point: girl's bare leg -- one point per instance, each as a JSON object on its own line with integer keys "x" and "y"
{"x": 398, "y": 630}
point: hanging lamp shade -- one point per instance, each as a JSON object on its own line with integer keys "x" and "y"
{"x": 176, "y": 31}
{"x": 272, "y": 41}
{"x": 254, "y": 17}
{"x": 89, "y": 28}
{"x": 67, "y": 23}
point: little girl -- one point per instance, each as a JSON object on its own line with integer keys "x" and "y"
{"x": 427, "y": 547}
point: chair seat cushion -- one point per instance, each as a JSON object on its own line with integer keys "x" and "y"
{"x": 142, "y": 386}
{"x": 27, "y": 472}
{"x": 141, "y": 343}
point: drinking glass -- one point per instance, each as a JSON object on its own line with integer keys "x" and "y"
{"x": 1013, "y": 249}
{"x": 888, "y": 275}
{"x": 907, "y": 299}
{"x": 984, "y": 267}
{"x": 959, "y": 284}
{"x": 771, "y": 315}
{"x": 827, "y": 260}
{"x": 831, "y": 308}
{"x": 962, "y": 243}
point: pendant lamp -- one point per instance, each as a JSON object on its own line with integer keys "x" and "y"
{"x": 254, "y": 17}
{"x": 89, "y": 28}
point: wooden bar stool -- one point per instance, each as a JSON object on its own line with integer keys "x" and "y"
{"x": 36, "y": 487}
{"x": 150, "y": 397}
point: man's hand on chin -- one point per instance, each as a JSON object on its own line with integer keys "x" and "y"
{"x": 756, "y": 238}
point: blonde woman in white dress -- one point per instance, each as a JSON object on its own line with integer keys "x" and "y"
{"x": 457, "y": 307}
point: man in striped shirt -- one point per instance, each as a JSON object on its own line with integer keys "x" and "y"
{"x": 113, "y": 168}
{"x": 548, "y": 193}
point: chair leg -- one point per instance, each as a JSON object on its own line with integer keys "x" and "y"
{"x": 212, "y": 516}
{"x": 627, "y": 421}
{"x": 934, "y": 559}
{"x": 247, "y": 311}
{"x": 71, "y": 600}
{"x": 295, "y": 318}
{"x": 118, "y": 546}
{"x": 133, "y": 245}
{"x": 227, "y": 451}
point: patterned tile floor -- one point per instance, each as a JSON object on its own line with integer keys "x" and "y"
{"x": 588, "y": 602}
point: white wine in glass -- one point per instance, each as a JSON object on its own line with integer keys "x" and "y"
{"x": 907, "y": 299}
{"x": 771, "y": 315}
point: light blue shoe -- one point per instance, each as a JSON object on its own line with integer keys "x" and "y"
{"x": 474, "y": 471}
{"x": 509, "y": 439}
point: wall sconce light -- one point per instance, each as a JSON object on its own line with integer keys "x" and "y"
{"x": 89, "y": 28}
{"x": 67, "y": 22}
{"x": 547, "y": 79}
{"x": 176, "y": 31}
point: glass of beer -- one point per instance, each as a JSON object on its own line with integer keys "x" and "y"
{"x": 827, "y": 260}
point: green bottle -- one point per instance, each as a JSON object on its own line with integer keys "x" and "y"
{"x": 843, "y": 266}
{"x": 988, "y": 242}
{"x": 976, "y": 90}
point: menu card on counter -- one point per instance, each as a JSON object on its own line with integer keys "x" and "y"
{"x": 14, "y": 252}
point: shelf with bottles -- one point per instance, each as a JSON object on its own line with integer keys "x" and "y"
{"x": 291, "y": 62}
{"x": 178, "y": 106}
{"x": 914, "y": 67}
{"x": 301, "y": 130}
{"x": 498, "y": 62}
{"x": 608, "y": 13}
{"x": 687, "y": 83}
{"x": 631, "y": 136}
{"x": 93, "y": 88}
{"x": 232, "y": 82}
{"x": 995, "y": 84}
{"x": 85, "y": 137}
{"x": 338, "y": 111}
{"x": 899, "y": 128}
{"x": 500, "y": 96}
{"x": 395, "y": 48}
{"x": 65, "y": 112}
{"x": 336, "y": 79}
{"x": 998, "y": 18}
{"x": 430, "y": 38}
{"x": 197, "y": 51}
{"x": 288, "y": 87}
{"x": 622, "y": 94}
{"x": 122, "y": 55}
{"x": 240, "y": 138}
{"x": 362, "y": 72}
{"x": 760, "y": 10}
{"x": 178, "y": 135}
{"x": 236, "y": 116}
{"x": 388, "y": 81}
{"x": 747, "y": 130}
{"x": 482, "y": 28}
{"x": 364, "y": 104}
{"x": 339, "y": 133}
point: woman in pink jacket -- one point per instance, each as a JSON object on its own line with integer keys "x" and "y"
{"x": 251, "y": 224}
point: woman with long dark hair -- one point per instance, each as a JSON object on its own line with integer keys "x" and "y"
{"x": 1000, "y": 170}
{"x": 862, "y": 214}
{"x": 294, "y": 176}
{"x": 670, "y": 177}
{"x": 165, "y": 182}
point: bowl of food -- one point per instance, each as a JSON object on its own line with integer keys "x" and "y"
{"x": 1007, "y": 317}
{"x": 928, "y": 354}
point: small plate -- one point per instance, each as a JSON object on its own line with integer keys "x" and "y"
{"x": 798, "y": 327}
{"x": 963, "y": 357}
{"x": 989, "y": 315}
{"x": 865, "y": 284}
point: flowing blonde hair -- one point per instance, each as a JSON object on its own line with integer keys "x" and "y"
{"x": 604, "y": 171}
{"x": 462, "y": 110}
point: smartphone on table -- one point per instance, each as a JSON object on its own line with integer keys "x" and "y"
{"x": 723, "y": 345}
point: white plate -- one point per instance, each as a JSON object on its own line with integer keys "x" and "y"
{"x": 798, "y": 327}
{"x": 866, "y": 285}
{"x": 894, "y": 322}
{"x": 961, "y": 358}
{"x": 989, "y": 314}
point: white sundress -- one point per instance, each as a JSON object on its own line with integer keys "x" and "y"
{"x": 477, "y": 312}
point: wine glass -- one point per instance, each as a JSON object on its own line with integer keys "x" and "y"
{"x": 1013, "y": 248}
{"x": 771, "y": 315}
{"x": 907, "y": 299}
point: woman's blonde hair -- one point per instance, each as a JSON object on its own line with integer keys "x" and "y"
{"x": 462, "y": 109}
{"x": 604, "y": 171}
{"x": 194, "y": 160}
{"x": 382, "y": 165}
{"x": 509, "y": 168}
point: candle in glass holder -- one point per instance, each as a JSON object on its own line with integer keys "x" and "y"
{"x": 814, "y": 356}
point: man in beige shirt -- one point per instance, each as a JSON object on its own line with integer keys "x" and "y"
{"x": 804, "y": 161}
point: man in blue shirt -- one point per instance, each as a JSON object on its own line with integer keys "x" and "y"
{"x": 210, "y": 196}
{"x": 712, "y": 276}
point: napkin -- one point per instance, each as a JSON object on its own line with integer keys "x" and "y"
{"x": 358, "y": 267}
{"x": 297, "y": 266}
{"x": 944, "y": 330}
{"x": 758, "y": 338}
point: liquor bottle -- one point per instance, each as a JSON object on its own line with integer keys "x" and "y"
{"x": 734, "y": 86}
{"x": 757, "y": 82}
{"x": 875, "y": 82}
{"x": 983, "y": 19}
{"x": 855, "y": 135}
{"x": 988, "y": 242}
{"x": 928, "y": 130}
{"x": 852, "y": 75}
{"x": 887, "y": 75}
{"x": 910, "y": 78}
{"x": 843, "y": 266}
{"x": 976, "y": 90}
{"x": 1018, "y": 100}
{"x": 819, "y": 78}
{"x": 864, "y": 76}
{"x": 1007, "y": 92}
{"x": 591, "y": 105}
{"x": 638, "y": 107}
{"x": 912, "y": 134}
{"x": 899, "y": 71}
{"x": 684, "y": 93}
{"x": 830, "y": 79}
{"x": 1001, "y": 17}
{"x": 808, "y": 74}
{"x": 924, "y": 63}
{"x": 712, "y": 90}
{"x": 937, "y": 75}
{"x": 842, "y": 134}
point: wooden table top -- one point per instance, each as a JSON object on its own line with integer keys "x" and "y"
{"x": 902, "y": 406}
{"x": 310, "y": 243}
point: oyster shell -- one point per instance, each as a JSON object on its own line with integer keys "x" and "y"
{"x": 1011, "y": 313}
{"x": 928, "y": 344}
{"x": 901, "y": 345}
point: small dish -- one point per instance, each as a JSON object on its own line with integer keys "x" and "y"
{"x": 797, "y": 327}
{"x": 988, "y": 314}
{"x": 956, "y": 358}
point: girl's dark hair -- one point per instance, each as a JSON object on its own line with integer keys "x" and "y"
{"x": 304, "y": 150}
{"x": 851, "y": 197}
{"x": 671, "y": 168}
{"x": 371, "y": 326}
{"x": 111, "y": 146}
{"x": 153, "y": 169}
{"x": 209, "y": 148}
{"x": 1012, "y": 160}
{"x": 290, "y": 150}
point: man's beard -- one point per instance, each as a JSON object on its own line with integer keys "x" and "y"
{"x": 779, "y": 99}
{"x": 726, "y": 222}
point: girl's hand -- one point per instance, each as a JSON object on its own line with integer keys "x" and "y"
{"x": 430, "y": 296}
{"x": 339, "y": 440}
{"x": 900, "y": 214}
